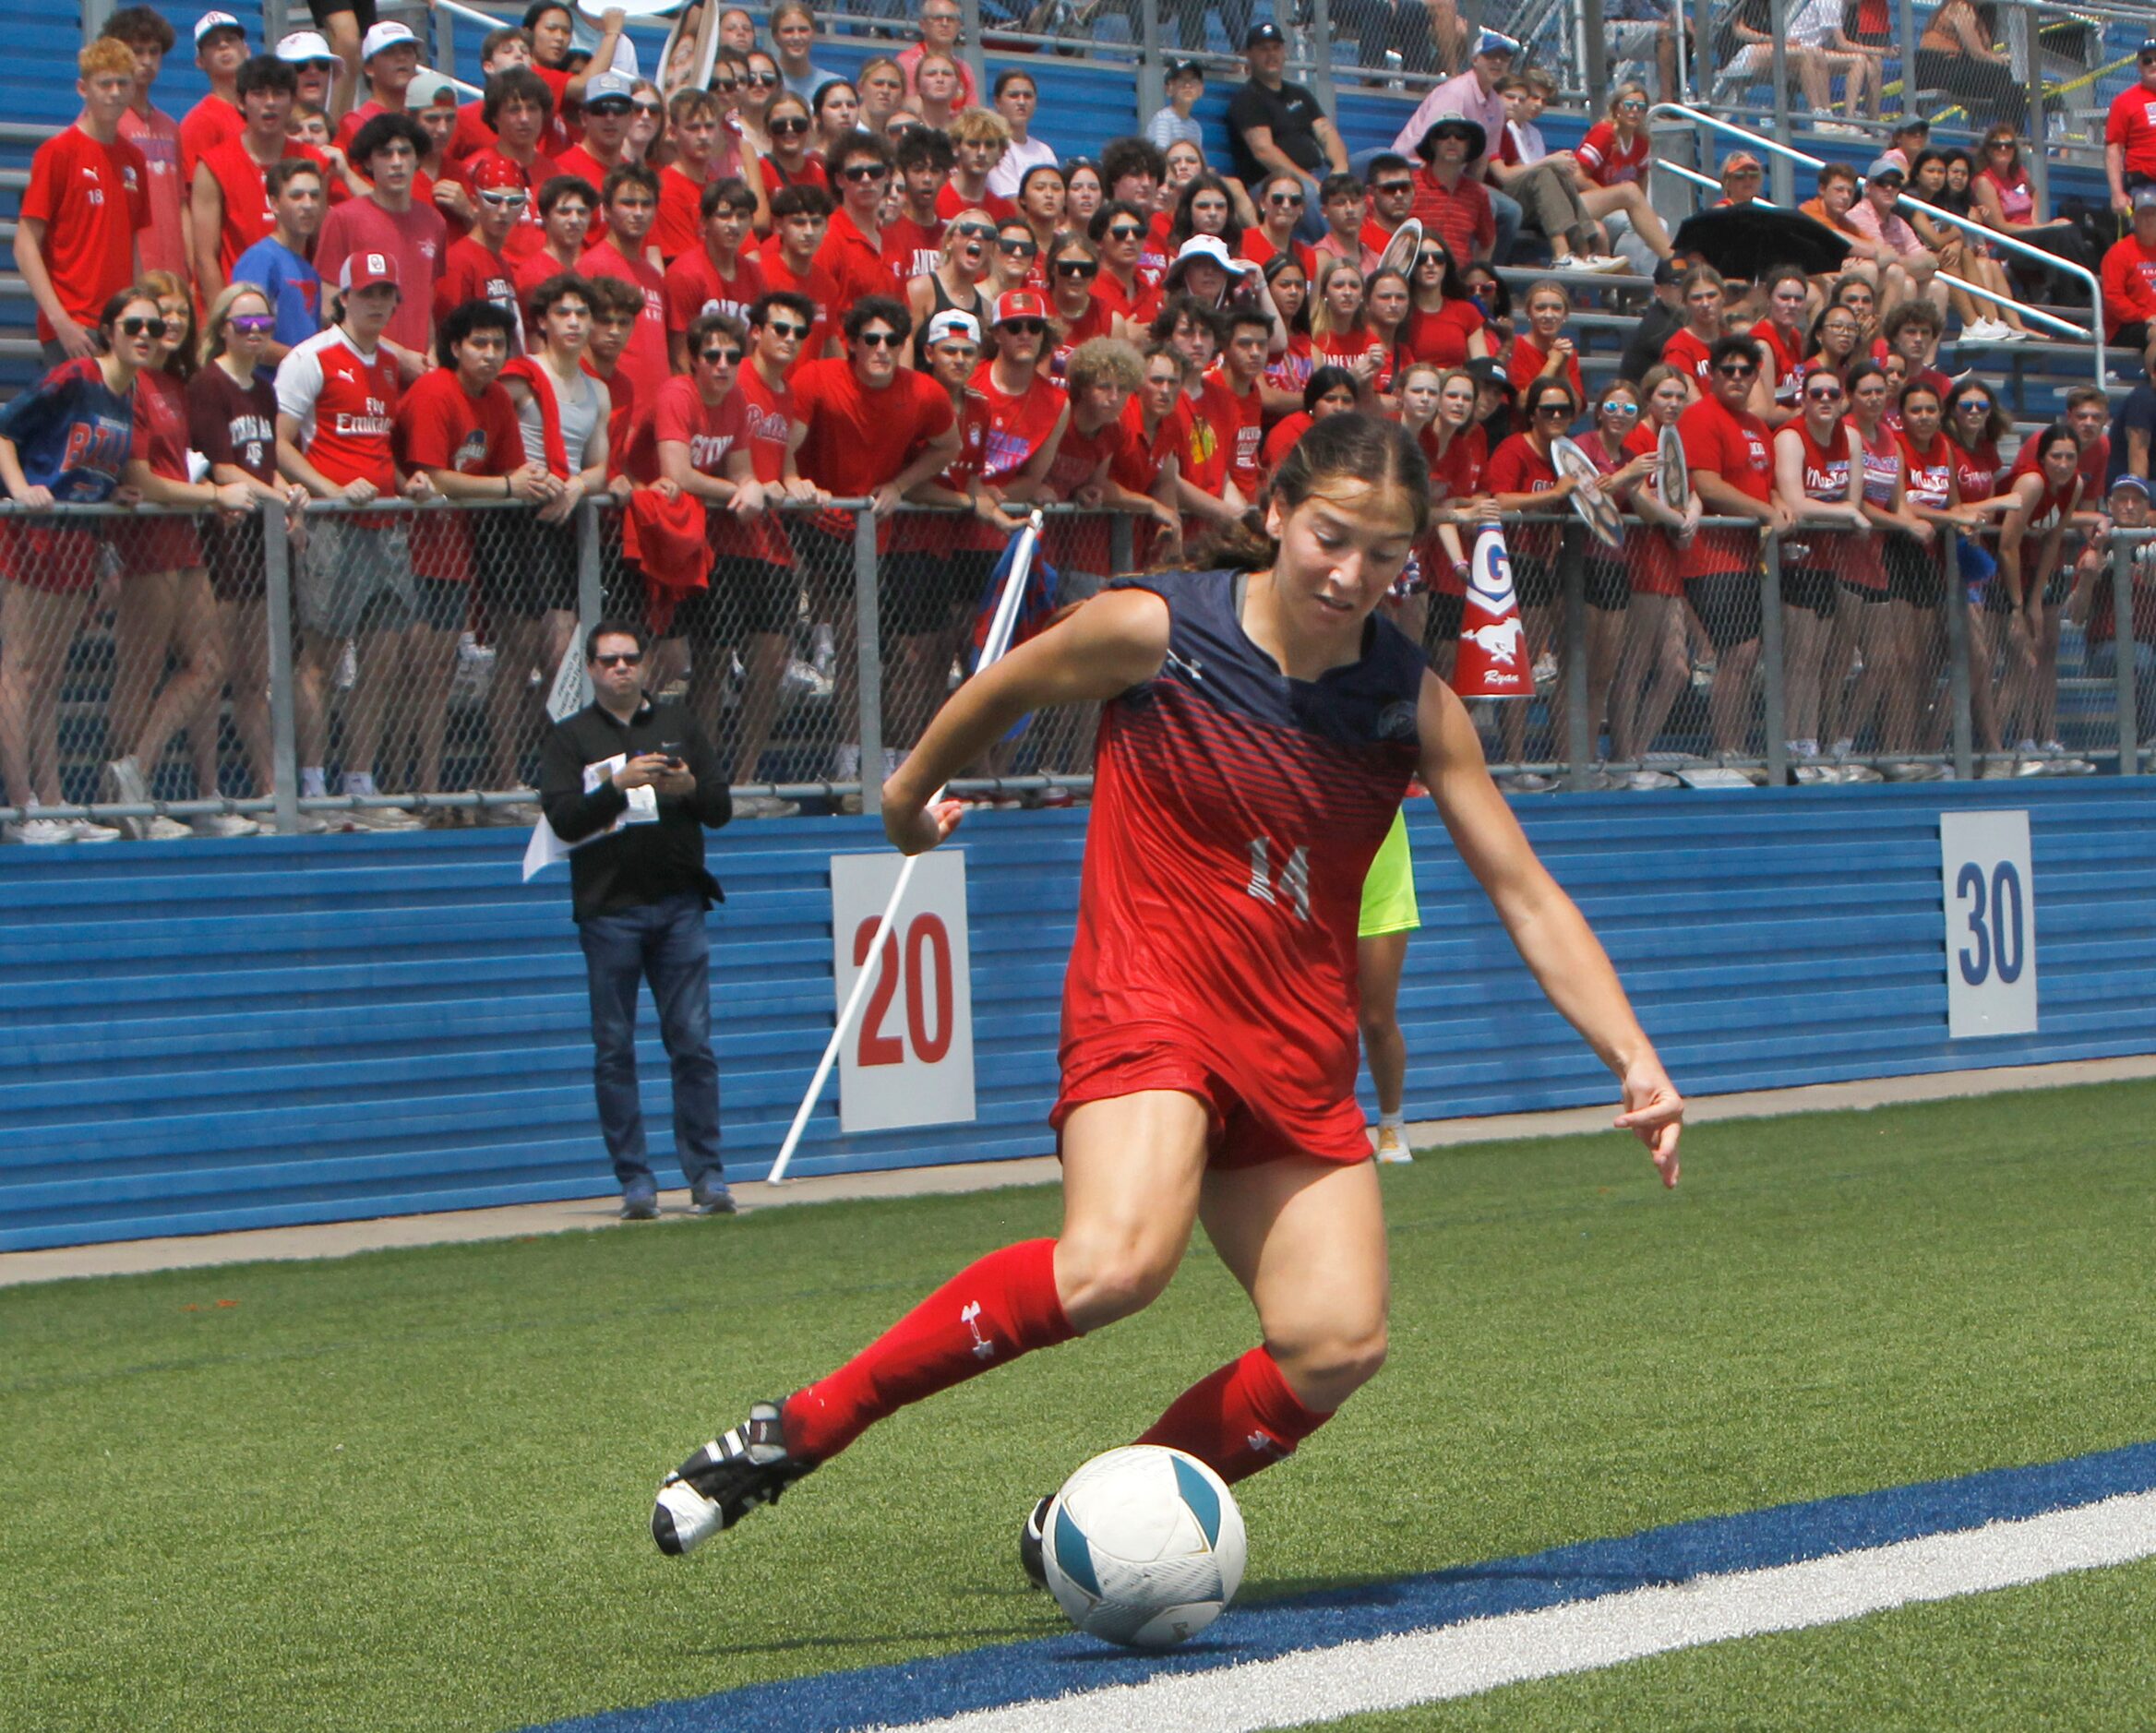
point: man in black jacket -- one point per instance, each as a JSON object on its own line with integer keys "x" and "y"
{"x": 629, "y": 785}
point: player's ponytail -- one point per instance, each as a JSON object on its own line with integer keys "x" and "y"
{"x": 1355, "y": 448}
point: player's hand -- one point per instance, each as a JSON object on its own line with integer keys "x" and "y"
{"x": 916, "y": 830}
{"x": 1654, "y": 1113}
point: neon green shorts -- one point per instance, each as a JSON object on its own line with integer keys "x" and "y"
{"x": 1388, "y": 893}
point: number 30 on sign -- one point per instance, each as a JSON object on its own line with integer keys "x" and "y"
{"x": 908, "y": 1059}
{"x": 1991, "y": 924}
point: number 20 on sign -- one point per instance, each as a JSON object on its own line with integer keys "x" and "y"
{"x": 1991, "y": 924}
{"x": 908, "y": 1059}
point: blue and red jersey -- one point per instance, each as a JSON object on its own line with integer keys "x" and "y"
{"x": 72, "y": 432}
{"x": 1236, "y": 814}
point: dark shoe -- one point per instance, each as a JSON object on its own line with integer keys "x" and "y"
{"x": 709, "y": 1197}
{"x": 725, "y": 1480}
{"x": 640, "y": 1203}
{"x": 1030, "y": 1543}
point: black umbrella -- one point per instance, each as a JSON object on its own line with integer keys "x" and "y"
{"x": 1747, "y": 241}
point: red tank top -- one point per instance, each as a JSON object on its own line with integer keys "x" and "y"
{"x": 1826, "y": 469}
{"x": 1930, "y": 474}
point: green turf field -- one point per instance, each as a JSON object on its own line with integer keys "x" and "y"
{"x": 410, "y": 1489}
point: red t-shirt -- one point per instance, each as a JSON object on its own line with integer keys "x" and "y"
{"x": 1281, "y": 440}
{"x": 646, "y": 360}
{"x": 679, "y": 227}
{"x": 1146, "y": 455}
{"x": 210, "y": 123}
{"x": 951, "y": 201}
{"x": 1462, "y": 218}
{"x": 1257, "y": 246}
{"x": 1523, "y": 366}
{"x": 2132, "y": 125}
{"x": 416, "y": 238}
{"x": 767, "y": 424}
{"x": 1786, "y": 350}
{"x": 1928, "y": 476}
{"x": 1734, "y": 445}
{"x": 2095, "y": 461}
{"x": 346, "y": 404}
{"x": 440, "y": 426}
{"x": 858, "y": 439}
{"x": 91, "y": 197}
{"x": 471, "y": 273}
{"x": 1212, "y": 416}
{"x": 1249, "y": 432}
{"x": 1977, "y": 475}
{"x": 567, "y": 117}
{"x": 581, "y": 162}
{"x": 1688, "y": 354}
{"x": 712, "y": 431}
{"x": 1606, "y": 163}
{"x": 234, "y": 424}
{"x": 166, "y": 191}
{"x": 694, "y": 286}
{"x": 911, "y": 250}
{"x": 1017, "y": 429}
{"x": 1083, "y": 544}
{"x": 853, "y": 262}
{"x": 243, "y": 191}
{"x": 2130, "y": 286}
{"x": 812, "y": 175}
{"x": 814, "y": 283}
{"x": 1440, "y": 337}
{"x": 1066, "y": 335}
{"x": 1516, "y": 467}
{"x": 1650, "y": 558}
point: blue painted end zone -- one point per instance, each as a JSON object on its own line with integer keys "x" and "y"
{"x": 1021, "y": 1672}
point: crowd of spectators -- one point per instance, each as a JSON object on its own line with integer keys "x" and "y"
{"x": 332, "y": 281}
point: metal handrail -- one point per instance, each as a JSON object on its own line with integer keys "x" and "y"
{"x": 1993, "y": 296}
{"x": 2051, "y": 261}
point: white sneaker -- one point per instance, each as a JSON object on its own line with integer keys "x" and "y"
{"x": 40, "y": 832}
{"x": 382, "y": 818}
{"x": 2064, "y": 763}
{"x": 765, "y": 806}
{"x": 1575, "y": 262}
{"x": 2009, "y": 334}
{"x": 162, "y": 829}
{"x": 83, "y": 830}
{"x": 1391, "y": 1148}
{"x": 224, "y": 824}
{"x": 1527, "y": 783}
{"x": 1645, "y": 781}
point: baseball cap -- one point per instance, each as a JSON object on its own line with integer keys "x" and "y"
{"x": 2131, "y": 483}
{"x": 1884, "y": 166}
{"x": 387, "y": 34}
{"x": 1214, "y": 250}
{"x": 1018, "y": 303}
{"x": 954, "y": 322}
{"x": 1669, "y": 273}
{"x": 301, "y": 46}
{"x": 210, "y": 23}
{"x": 1738, "y": 161}
{"x": 429, "y": 87}
{"x": 1489, "y": 370}
{"x": 609, "y": 87}
{"x": 2146, "y": 52}
{"x": 495, "y": 174}
{"x": 1264, "y": 33}
{"x": 1496, "y": 43}
{"x": 1183, "y": 69}
{"x": 365, "y": 270}
{"x": 2145, "y": 198}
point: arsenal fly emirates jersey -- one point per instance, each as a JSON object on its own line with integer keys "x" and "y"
{"x": 345, "y": 402}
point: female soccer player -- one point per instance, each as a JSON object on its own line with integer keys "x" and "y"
{"x": 1259, "y": 735}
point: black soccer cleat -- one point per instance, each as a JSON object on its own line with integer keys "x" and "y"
{"x": 725, "y": 1480}
{"x": 1030, "y": 1542}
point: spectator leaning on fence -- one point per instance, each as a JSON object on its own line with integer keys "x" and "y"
{"x": 636, "y": 784}
{"x": 87, "y": 199}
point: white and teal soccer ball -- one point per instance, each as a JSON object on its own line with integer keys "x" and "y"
{"x": 1143, "y": 1546}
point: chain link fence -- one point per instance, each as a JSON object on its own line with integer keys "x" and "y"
{"x": 167, "y": 675}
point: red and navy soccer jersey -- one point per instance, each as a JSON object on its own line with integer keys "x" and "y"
{"x": 72, "y": 432}
{"x": 1236, "y": 813}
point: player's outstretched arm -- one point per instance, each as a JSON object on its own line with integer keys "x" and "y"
{"x": 1560, "y": 948}
{"x": 1109, "y": 645}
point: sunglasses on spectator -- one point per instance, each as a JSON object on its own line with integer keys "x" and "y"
{"x": 252, "y": 324}
{"x": 788, "y": 125}
{"x": 1131, "y": 231}
{"x": 625, "y": 659}
{"x": 647, "y": 108}
{"x": 1974, "y": 406}
{"x": 1562, "y": 412}
{"x": 1998, "y": 144}
{"x": 862, "y": 173}
{"x": 1736, "y": 370}
{"x": 1018, "y": 249}
{"x": 975, "y": 231}
{"x": 786, "y": 328}
{"x": 1631, "y": 105}
{"x": 1831, "y": 395}
{"x": 761, "y": 80}
{"x": 609, "y": 105}
{"x": 140, "y": 326}
{"x": 1286, "y": 201}
{"x": 1618, "y": 406}
{"x": 720, "y": 357}
{"x": 880, "y": 340}
{"x": 505, "y": 200}
{"x": 1392, "y": 187}
{"x": 1027, "y": 327}
{"x": 1084, "y": 270}
{"x": 725, "y": 86}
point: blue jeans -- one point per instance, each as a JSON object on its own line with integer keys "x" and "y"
{"x": 1505, "y": 208}
{"x": 664, "y": 941}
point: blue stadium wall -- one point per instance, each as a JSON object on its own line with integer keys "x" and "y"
{"x": 203, "y": 1036}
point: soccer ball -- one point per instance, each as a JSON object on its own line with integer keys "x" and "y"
{"x": 1143, "y": 1546}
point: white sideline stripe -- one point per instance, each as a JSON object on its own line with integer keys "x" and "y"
{"x": 1397, "y": 1672}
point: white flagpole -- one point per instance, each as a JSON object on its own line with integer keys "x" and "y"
{"x": 1000, "y": 630}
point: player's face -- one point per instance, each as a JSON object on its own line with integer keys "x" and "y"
{"x": 518, "y": 122}
{"x": 1340, "y": 550}
{"x": 568, "y": 223}
{"x": 1456, "y": 403}
{"x": 630, "y": 214}
{"x": 479, "y": 359}
{"x": 780, "y": 337}
{"x": 567, "y": 325}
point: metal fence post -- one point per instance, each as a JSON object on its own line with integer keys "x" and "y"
{"x": 868, "y": 653}
{"x": 1958, "y": 670}
{"x": 590, "y": 592}
{"x": 1771, "y": 662}
{"x": 1593, "y": 38}
{"x": 2123, "y": 648}
{"x": 2026, "y": 45}
{"x": 1703, "y": 55}
{"x": 1152, "y": 86}
{"x": 969, "y": 24}
{"x": 1580, "y": 747}
{"x": 1321, "y": 57}
{"x": 1782, "y": 179}
{"x": 1121, "y": 545}
{"x": 283, "y": 705}
{"x": 1906, "y": 33}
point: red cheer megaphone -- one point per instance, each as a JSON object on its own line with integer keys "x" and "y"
{"x": 1493, "y": 660}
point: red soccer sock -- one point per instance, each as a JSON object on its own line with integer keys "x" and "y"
{"x": 1241, "y": 1419}
{"x": 989, "y": 1312}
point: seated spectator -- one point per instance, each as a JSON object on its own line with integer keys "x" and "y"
{"x": 793, "y": 34}
{"x": 1826, "y": 53}
{"x": 1449, "y": 202}
{"x": 1614, "y": 165}
{"x": 2004, "y": 198}
{"x": 1955, "y": 54}
{"x": 1539, "y": 182}
{"x": 2129, "y": 134}
{"x": 1275, "y": 126}
{"x": 1445, "y": 327}
{"x": 939, "y": 22}
{"x": 2129, "y": 277}
{"x": 1472, "y": 97}
{"x": 1741, "y": 179}
{"x": 1640, "y": 30}
{"x": 1984, "y": 320}
{"x": 1184, "y": 85}
{"x": 1016, "y": 96}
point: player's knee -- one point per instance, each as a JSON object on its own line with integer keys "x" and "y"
{"x": 1330, "y": 1366}
{"x": 1102, "y": 1275}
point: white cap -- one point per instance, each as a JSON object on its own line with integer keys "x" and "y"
{"x": 211, "y": 21}
{"x": 301, "y": 46}
{"x": 953, "y": 322}
{"x": 387, "y": 34}
{"x": 428, "y": 87}
{"x": 1213, "y": 249}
